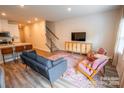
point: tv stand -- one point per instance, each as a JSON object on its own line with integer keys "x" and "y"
{"x": 78, "y": 47}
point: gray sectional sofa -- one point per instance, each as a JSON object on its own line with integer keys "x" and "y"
{"x": 52, "y": 70}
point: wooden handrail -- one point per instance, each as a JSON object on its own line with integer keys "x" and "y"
{"x": 52, "y": 33}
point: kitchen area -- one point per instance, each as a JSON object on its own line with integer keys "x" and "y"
{"x": 10, "y": 39}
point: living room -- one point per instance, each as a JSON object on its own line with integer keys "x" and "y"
{"x": 63, "y": 38}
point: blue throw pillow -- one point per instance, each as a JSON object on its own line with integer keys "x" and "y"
{"x": 44, "y": 61}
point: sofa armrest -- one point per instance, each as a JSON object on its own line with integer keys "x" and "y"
{"x": 57, "y": 61}
{"x": 89, "y": 67}
{"x": 2, "y": 79}
{"x": 56, "y": 71}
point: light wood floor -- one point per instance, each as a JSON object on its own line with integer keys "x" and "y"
{"x": 16, "y": 76}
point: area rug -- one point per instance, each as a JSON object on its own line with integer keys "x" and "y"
{"x": 72, "y": 59}
{"x": 78, "y": 79}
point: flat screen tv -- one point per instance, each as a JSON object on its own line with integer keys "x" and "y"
{"x": 78, "y": 36}
{"x": 4, "y": 34}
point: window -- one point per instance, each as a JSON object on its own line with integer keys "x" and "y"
{"x": 121, "y": 37}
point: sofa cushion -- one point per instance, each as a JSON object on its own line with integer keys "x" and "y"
{"x": 32, "y": 51}
{"x": 44, "y": 61}
{"x": 25, "y": 53}
{"x": 97, "y": 63}
{"x": 31, "y": 54}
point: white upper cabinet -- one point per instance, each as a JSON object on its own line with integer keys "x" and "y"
{"x": 10, "y": 27}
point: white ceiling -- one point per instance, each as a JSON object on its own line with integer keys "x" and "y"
{"x": 51, "y": 12}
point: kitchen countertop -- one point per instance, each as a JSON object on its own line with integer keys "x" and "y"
{"x": 13, "y": 45}
{"x": 10, "y": 45}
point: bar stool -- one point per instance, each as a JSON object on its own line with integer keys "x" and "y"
{"x": 18, "y": 49}
{"x": 7, "y": 51}
{"x": 28, "y": 47}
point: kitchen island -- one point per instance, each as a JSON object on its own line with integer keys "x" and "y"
{"x": 9, "y": 58}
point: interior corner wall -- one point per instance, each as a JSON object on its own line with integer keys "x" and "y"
{"x": 35, "y": 34}
{"x": 100, "y": 28}
{"x": 22, "y": 36}
{"x": 51, "y": 25}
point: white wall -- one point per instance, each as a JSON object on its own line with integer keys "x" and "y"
{"x": 100, "y": 28}
{"x": 3, "y": 25}
{"x": 13, "y": 29}
{"x": 35, "y": 34}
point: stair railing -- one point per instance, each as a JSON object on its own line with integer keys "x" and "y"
{"x": 52, "y": 44}
{"x": 52, "y": 32}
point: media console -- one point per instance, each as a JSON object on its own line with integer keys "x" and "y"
{"x": 78, "y": 47}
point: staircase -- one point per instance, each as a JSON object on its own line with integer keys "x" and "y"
{"x": 51, "y": 38}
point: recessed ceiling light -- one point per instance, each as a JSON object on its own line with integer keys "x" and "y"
{"x": 29, "y": 21}
{"x": 69, "y": 9}
{"x": 36, "y": 19}
{"x": 20, "y": 24}
{"x": 3, "y": 14}
{"x": 21, "y": 6}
